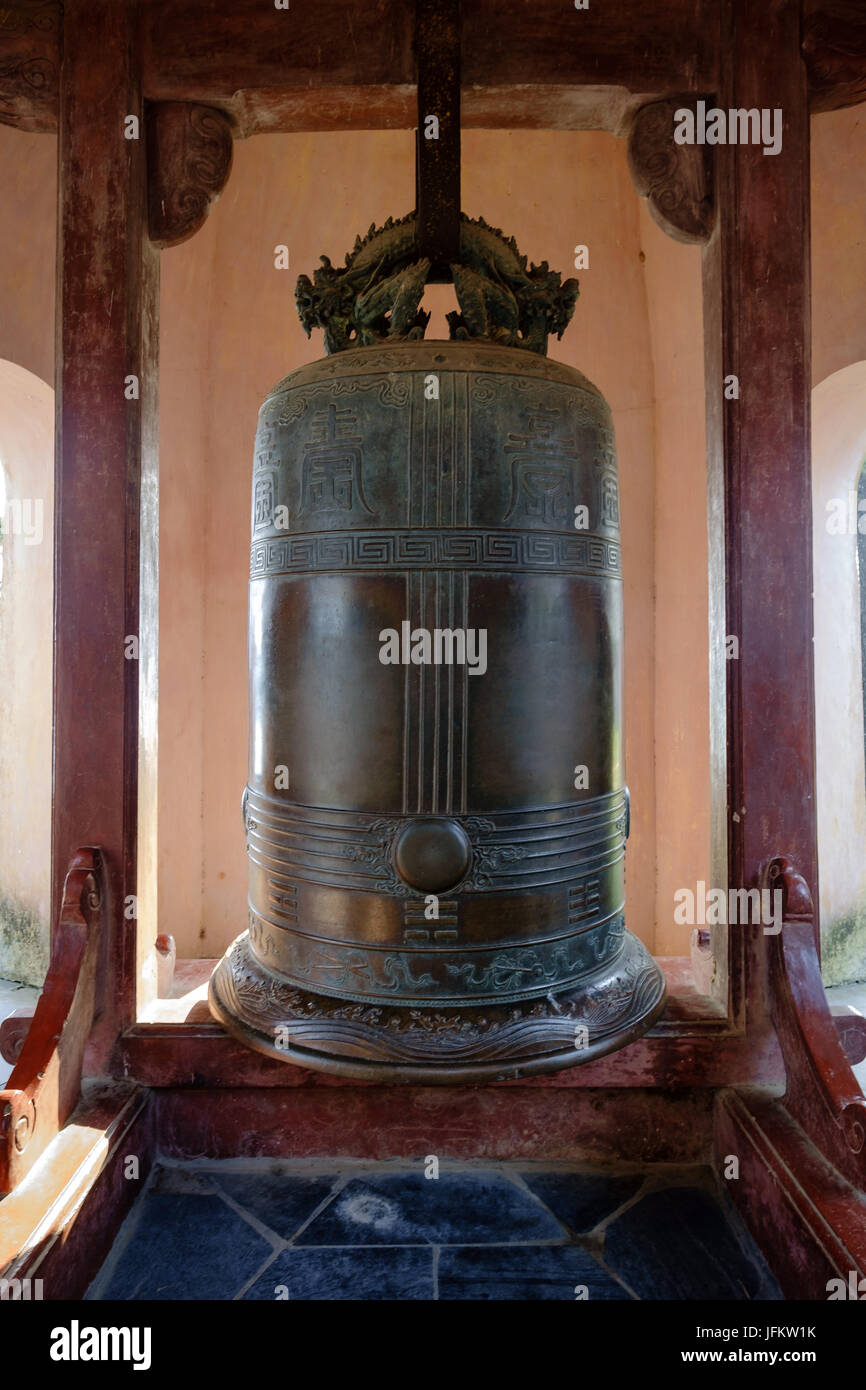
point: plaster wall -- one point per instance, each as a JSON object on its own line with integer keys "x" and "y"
{"x": 681, "y": 717}
{"x": 838, "y": 176}
{"x": 28, "y": 246}
{"x": 26, "y": 624}
{"x": 838, "y": 452}
{"x": 838, "y": 413}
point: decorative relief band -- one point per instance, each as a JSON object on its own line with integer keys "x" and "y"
{"x": 449, "y": 975}
{"x": 390, "y": 390}
{"x": 260, "y": 1006}
{"x": 351, "y": 851}
{"x": 537, "y": 551}
{"x": 461, "y": 356}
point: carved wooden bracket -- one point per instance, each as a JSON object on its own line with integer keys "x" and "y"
{"x": 797, "y": 904}
{"x": 13, "y": 1031}
{"x": 45, "y": 1085}
{"x": 834, "y": 49}
{"x": 822, "y": 1092}
{"x": 189, "y": 155}
{"x": 29, "y": 63}
{"x": 676, "y": 180}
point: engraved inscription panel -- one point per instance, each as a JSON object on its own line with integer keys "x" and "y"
{"x": 331, "y": 478}
{"x": 541, "y": 469}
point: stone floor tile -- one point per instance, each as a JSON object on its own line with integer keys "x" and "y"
{"x": 679, "y": 1243}
{"x": 582, "y": 1200}
{"x": 185, "y": 1246}
{"x": 457, "y": 1208}
{"x": 281, "y": 1201}
{"x": 362, "y": 1273}
{"x": 530, "y": 1273}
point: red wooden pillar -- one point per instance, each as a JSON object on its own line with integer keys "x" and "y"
{"x": 107, "y": 308}
{"x": 757, "y": 329}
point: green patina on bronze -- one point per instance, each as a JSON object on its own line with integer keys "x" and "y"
{"x": 376, "y": 296}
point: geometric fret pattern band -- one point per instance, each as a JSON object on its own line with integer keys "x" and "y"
{"x": 533, "y": 551}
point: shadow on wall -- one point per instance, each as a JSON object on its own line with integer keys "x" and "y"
{"x": 26, "y": 604}
{"x": 838, "y": 452}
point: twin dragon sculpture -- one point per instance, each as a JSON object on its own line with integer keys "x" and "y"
{"x": 375, "y": 297}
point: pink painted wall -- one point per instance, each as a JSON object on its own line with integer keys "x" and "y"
{"x": 681, "y": 715}
{"x": 28, "y": 241}
{"x": 27, "y": 246}
{"x": 838, "y": 240}
{"x": 838, "y": 454}
{"x": 26, "y": 622}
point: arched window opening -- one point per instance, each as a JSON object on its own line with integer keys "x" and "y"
{"x": 26, "y": 622}
{"x": 2, "y": 519}
{"x": 861, "y": 574}
{"x": 839, "y": 536}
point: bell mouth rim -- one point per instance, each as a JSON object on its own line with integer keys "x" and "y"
{"x": 526, "y": 1048}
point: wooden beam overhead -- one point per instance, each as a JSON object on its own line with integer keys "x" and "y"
{"x": 337, "y": 65}
{"x": 526, "y": 63}
{"x": 522, "y": 60}
{"x": 203, "y": 50}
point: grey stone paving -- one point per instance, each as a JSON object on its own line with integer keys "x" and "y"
{"x": 333, "y": 1230}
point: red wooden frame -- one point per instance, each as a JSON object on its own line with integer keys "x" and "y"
{"x": 45, "y": 1084}
{"x": 100, "y": 62}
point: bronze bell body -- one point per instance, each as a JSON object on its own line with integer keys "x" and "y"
{"x": 436, "y": 813}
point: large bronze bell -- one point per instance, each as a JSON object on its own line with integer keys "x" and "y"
{"x": 436, "y": 814}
